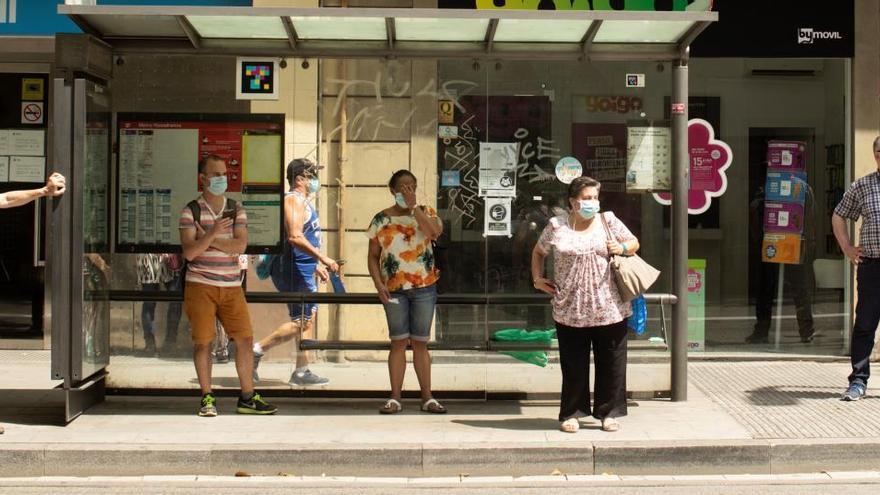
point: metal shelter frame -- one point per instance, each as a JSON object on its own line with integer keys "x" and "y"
{"x": 185, "y": 30}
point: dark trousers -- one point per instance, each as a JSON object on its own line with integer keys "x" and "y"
{"x": 608, "y": 344}
{"x": 867, "y": 318}
{"x": 799, "y": 282}
{"x": 172, "y": 319}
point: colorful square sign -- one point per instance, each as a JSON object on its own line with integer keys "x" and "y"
{"x": 786, "y": 155}
{"x": 785, "y": 186}
{"x": 696, "y": 280}
{"x": 781, "y": 248}
{"x": 783, "y": 217}
{"x": 256, "y": 79}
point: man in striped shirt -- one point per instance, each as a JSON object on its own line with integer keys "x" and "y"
{"x": 211, "y": 245}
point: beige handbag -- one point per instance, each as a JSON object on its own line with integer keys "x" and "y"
{"x": 632, "y": 274}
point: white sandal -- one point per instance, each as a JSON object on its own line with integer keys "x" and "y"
{"x": 570, "y": 425}
{"x": 610, "y": 425}
{"x": 392, "y": 406}
{"x": 433, "y": 407}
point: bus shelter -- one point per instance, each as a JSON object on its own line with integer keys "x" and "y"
{"x": 88, "y": 229}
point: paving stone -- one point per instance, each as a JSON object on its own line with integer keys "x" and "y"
{"x": 788, "y": 399}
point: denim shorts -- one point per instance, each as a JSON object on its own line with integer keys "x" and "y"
{"x": 411, "y": 316}
{"x": 299, "y": 277}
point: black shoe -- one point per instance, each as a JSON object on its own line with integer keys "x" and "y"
{"x": 806, "y": 339}
{"x": 255, "y": 405}
{"x": 757, "y": 338}
{"x": 150, "y": 348}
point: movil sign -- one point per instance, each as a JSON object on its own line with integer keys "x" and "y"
{"x": 806, "y": 36}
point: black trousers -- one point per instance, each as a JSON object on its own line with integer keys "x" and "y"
{"x": 799, "y": 281}
{"x": 867, "y": 318}
{"x": 608, "y": 344}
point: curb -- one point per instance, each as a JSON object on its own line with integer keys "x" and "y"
{"x": 724, "y": 457}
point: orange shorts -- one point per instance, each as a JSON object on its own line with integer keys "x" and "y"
{"x": 204, "y": 304}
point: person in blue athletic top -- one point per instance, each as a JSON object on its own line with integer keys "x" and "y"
{"x": 295, "y": 270}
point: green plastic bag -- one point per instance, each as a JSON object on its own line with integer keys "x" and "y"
{"x": 538, "y": 358}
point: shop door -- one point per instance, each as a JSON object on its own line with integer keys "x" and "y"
{"x": 763, "y": 276}
{"x": 23, "y": 117}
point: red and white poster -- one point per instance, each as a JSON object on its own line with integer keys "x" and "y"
{"x": 158, "y": 173}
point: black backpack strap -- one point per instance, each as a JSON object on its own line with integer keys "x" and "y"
{"x": 232, "y": 204}
{"x": 196, "y": 211}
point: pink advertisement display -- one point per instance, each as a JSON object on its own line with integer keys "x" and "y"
{"x": 786, "y": 155}
{"x": 710, "y": 159}
{"x": 783, "y": 217}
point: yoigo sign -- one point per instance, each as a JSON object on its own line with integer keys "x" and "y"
{"x": 806, "y": 36}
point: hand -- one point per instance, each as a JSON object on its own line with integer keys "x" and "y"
{"x": 614, "y": 247}
{"x": 546, "y": 286}
{"x": 219, "y": 227}
{"x": 854, "y": 253}
{"x": 409, "y": 195}
{"x": 56, "y": 185}
{"x": 321, "y": 270}
{"x": 331, "y": 264}
{"x": 384, "y": 295}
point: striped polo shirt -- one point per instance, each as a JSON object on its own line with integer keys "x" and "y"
{"x": 213, "y": 267}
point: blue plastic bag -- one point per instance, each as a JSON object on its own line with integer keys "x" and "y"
{"x": 638, "y": 322}
{"x": 264, "y": 266}
{"x": 336, "y": 282}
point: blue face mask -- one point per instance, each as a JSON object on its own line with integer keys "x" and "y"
{"x": 401, "y": 202}
{"x": 589, "y": 208}
{"x": 217, "y": 185}
{"x": 314, "y": 185}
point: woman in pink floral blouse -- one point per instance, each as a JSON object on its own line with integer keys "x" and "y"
{"x": 586, "y": 306}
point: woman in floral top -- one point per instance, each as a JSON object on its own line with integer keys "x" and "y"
{"x": 586, "y": 305}
{"x": 401, "y": 264}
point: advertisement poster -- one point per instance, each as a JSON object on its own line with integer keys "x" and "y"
{"x": 497, "y": 222}
{"x": 781, "y": 248}
{"x": 649, "y": 159}
{"x": 696, "y": 305}
{"x": 784, "y": 186}
{"x": 709, "y": 160}
{"x": 498, "y": 169}
{"x": 602, "y": 150}
{"x": 788, "y": 155}
{"x": 783, "y": 217}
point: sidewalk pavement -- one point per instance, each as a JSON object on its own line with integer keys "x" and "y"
{"x": 741, "y": 418}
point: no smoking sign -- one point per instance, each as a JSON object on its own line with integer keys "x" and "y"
{"x": 32, "y": 112}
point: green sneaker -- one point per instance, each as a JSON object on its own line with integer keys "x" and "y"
{"x": 209, "y": 406}
{"x": 256, "y": 405}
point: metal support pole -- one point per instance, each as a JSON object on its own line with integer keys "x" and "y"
{"x": 777, "y": 334}
{"x": 680, "y": 183}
